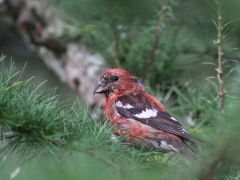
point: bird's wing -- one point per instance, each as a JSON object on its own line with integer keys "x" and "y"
{"x": 142, "y": 107}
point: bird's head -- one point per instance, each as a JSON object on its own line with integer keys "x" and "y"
{"x": 118, "y": 82}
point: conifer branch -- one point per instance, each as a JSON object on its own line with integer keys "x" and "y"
{"x": 156, "y": 38}
{"x": 104, "y": 159}
{"x": 220, "y": 55}
{"x": 227, "y": 156}
{"x": 212, "y": 167}
{"x": 94, "y": 154}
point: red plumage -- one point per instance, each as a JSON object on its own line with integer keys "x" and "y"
{"x": 140, "y": 115}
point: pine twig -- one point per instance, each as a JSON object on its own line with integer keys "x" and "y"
{"x": 208, "y": 174}
{"x": 220, "y": 55}
{"x": 94, "y": 154}
{"x": 156, "y": 39}
{"x": 227, "y": 156}
{"x": 104, "y": 159}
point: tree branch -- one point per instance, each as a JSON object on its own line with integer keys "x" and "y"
{"x": 220, "y": 55}
{"x": 156, "y": 39}
{"x": 94, "y": 154}
{"x": 208, "y": 174}
{"x": 104, "y": 159}
{"x": 43, "y": 28}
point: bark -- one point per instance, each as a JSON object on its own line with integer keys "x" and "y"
{"x": 42, "y": 27}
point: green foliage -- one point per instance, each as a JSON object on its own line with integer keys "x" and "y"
{"x": 42, "y": 136}
{"x": 123, "y": 33}
{"x": 36, "y": 126}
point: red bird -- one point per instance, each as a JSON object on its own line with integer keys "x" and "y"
{"x": 140, "y": 115}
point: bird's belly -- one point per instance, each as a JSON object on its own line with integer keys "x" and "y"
{"x": 139, "y": 133}
{"x": 145, "y": 135}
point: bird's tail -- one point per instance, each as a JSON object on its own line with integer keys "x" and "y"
{"x": 178, "y": 145}
{"x": 187, "y": 151}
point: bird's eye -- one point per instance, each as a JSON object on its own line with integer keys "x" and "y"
{"x": 115, "y": 78}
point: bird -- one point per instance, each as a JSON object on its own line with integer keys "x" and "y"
{"x": 140, "y": 116}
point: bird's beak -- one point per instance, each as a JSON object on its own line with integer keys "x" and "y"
{"x": 100, "y": 87}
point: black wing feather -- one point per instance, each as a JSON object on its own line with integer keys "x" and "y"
{"x": 163, "y": 121}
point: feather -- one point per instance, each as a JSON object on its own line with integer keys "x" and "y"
{"x": 141, "y": 115}
{"x": 147, "y": 112}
